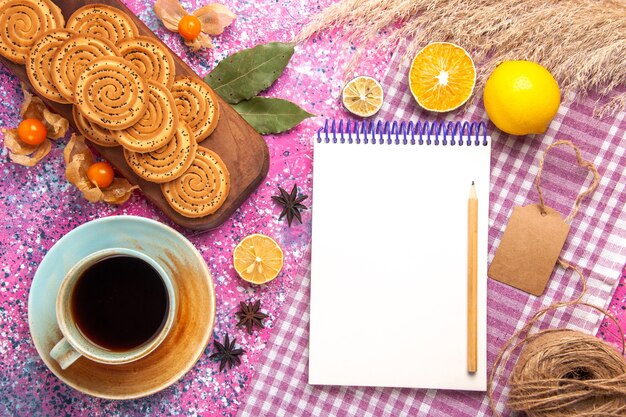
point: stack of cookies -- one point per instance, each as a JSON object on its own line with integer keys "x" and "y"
{"x": 124, "y": 92}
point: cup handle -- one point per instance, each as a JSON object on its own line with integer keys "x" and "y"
{"x": 64, "y": 353}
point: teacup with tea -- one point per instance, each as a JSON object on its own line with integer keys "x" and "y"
{"x": 114, "y": 307}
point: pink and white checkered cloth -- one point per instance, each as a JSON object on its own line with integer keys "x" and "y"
{"x": 596, "y": 243}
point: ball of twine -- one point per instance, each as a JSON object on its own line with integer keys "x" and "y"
{"x": 564, "y": 373}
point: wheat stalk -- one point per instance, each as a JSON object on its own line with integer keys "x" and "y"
{"x": 581, "y": 42}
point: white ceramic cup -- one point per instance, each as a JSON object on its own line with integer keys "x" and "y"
{"x": 74, "y": 344}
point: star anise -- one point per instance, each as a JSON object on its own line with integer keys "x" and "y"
{"x": 250, "y": 316}
{"x": 292, "y": 204}
{"x": 227, "y": 354}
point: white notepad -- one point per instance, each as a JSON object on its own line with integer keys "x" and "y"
{"x": 389, "y": 256}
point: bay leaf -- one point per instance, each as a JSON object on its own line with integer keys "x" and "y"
{"x": 244, "y": 74}
{"x": 271, "y": 115}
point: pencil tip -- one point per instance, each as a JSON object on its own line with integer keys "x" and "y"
{"x": 472, "y": 182}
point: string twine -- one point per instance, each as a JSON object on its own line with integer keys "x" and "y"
{"x": 583, "y": 163}
{"x": 563, "y": 372}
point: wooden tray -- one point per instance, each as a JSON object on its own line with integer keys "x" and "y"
{"x": 241, "y": 148}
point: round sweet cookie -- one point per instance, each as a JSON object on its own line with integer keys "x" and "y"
{"x": 203, "y": 187}
{"x": 152, "y": 59}
{"x": 197, "y": 105}
{"x": 22, "y": 22}
{"x": 105, "y": 21}
{"x": 73, "y": 56}
{"x": 93, "y": 132}
{"x": 111, "y": 93}
{"x": 39, "y": 63}
{"x": 157, "y": 126}
{"x": 168, "y": 162}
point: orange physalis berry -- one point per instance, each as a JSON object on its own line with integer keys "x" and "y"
{"x": 32, "y": 131}
{"x": 100, "y": 174}
{"x": 189, "y": 27}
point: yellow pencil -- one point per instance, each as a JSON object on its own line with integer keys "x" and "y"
{"x": 472, "y": 272}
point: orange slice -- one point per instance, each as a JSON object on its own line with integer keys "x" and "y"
{"x": 442, "y": 77}
{"x": 363, "y": 96}
{"x": 258, "y": 259}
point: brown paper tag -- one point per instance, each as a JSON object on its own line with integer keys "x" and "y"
{"x": 529, "y": 249}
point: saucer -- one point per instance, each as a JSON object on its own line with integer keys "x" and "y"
{"x": 190, "y": 332}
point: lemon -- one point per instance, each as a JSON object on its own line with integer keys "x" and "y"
{"x": 363, "y": 96}
{"x": 258, "y": 259}
{"x": 521, "y": 97}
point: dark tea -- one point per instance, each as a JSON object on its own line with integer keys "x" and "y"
{"x": 120, "y": 302}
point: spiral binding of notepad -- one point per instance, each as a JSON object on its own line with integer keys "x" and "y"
{"x": 405, "y": 133}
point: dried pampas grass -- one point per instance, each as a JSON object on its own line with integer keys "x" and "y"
{"x": 581, "y": 42}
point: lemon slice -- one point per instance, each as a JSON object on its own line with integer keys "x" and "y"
{"x": 258, "y": 259}
{"x": 442, "y": 77}
{"x": 363, "y": 96}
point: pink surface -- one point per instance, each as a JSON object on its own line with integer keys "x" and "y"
{"x": 39, "y": 207}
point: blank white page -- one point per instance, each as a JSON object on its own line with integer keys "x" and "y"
{"x": 389, "y": 264}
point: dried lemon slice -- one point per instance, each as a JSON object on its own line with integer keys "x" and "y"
{"x": 258, "y": 259}
{"x": 363, "y": 96}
